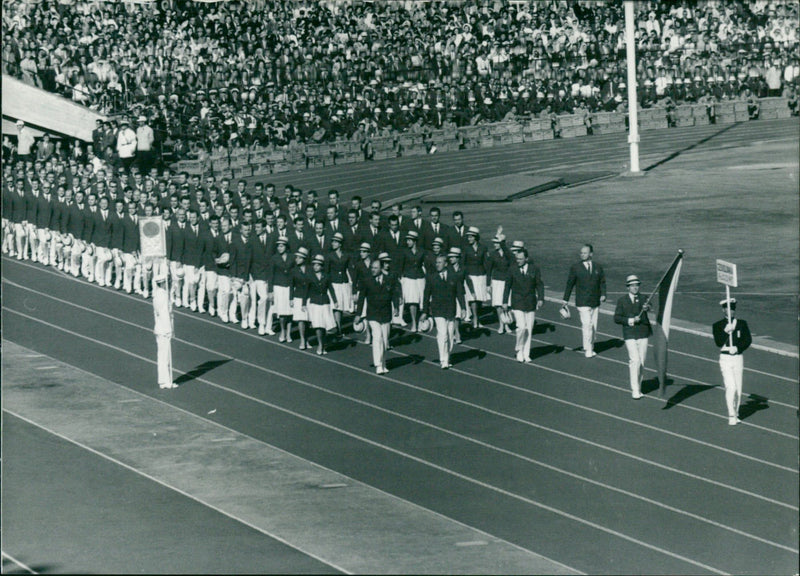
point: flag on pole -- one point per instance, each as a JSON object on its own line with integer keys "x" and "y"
{"x": 666, "y": 293}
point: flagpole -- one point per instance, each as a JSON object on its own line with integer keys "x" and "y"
{"x": 647, "y": 302}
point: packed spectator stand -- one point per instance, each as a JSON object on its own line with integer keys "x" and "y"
{"x": 218, "y": 76}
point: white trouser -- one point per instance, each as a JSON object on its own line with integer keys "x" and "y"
{"x": 191, "y": 278}
{"x": 75, "y": 259}
{"x": 43, "y": 249}
{"x": 56, "y": 247}
{"x": 31, "y": 240}
{"x": 118, "y": 260}
{"x": 177, "y": 282}
{"x": 209, "y": 287}
{"x": 588, "y": 316}
{"x": 380, "y": 342}
{"x": 87, "y": 262}
{"x": 524, "y": 321}
{"x": 732, "y": 368}
{"x": 445, "y": 337}
{"x": 164, "y": 344}
{"x": 637, "y": 353}
{"x": 258, "y": 303}
{"x": 241, "y": 295}
{"x": 131, "y": 273}
{"x": 20, "y": 236}
{"x": 102, "y": 266}
{"x": 223, "y": 296}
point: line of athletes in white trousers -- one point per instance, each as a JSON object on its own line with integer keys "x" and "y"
{"x": 311, "y": 271}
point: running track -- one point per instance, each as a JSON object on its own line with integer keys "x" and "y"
{"x": 552, "y": 457}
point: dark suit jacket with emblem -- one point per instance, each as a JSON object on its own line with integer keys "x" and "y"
{"x": 588, "y": 287}
{"x": 627, "y": 309}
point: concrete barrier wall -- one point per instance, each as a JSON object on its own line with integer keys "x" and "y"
{"x": 265, "y": 161}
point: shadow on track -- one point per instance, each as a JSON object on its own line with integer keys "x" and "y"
{"x": 200, "y": 370}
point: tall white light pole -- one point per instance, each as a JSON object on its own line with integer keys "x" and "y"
{"x": 633, "y": 103}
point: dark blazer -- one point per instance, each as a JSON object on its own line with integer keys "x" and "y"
{"x": 210, "y": 246}
{"x": 387, "y": 244}
{"x": 441, "y": 294}
{"x": 626, "y": 309}
{"x": 499, "y": 264}
{"x": 428, "y": 235}
{"x": 475, "y": 260}
{"x": 458, "y": 238}
{"x": 193, "y": 246}
{"x": 318, "y": 290}
{"x": 117, "y": 230}
{"x": 352, "y": 239}
{"x": 526, "y": 290}
{"x": 741, "y": 335}
{"x": 280, "y": 270}
{"x": 588, "y": 287}
{"x": 101, "y": 231}
{"x": 44, "y": 211}
{"x": 76, "y": 217}
{"x": 130, "y": 235}
{"x": 243, "y": 258}
{"x": 368, "y": 236}
{"x": 88, "y": 223}
{"x": 379, "y": 298}
{"x": 262, "y": 253}
{"x": 338, "y": 267}
{"x": 314, "y": 244}
{"x": 175, "y": 241}
{"x": 412, "y": 263}
{"x": 222, "y": 246}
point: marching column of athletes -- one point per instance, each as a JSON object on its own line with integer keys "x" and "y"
{"x": 271, "y": 261}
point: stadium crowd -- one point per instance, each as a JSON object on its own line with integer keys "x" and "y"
{"x": 264, "y": 73}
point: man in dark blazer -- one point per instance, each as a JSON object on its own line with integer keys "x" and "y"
{"x": 434, "y": 228}
{"x": 631, "y": 314}
{"x": 259, "y": 271}
{"x": 589, "y": 281}
{"x": 101, "y": 238}
{"x": 443, "y": 291}
{"x": 379, "y": 293}
{"x": 733, "y": 338}
{"x": 526, "y": 289}
{"x": 391, "y": 241}
{"x": 192, "y": 259}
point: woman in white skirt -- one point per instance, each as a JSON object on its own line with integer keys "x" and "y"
{"x": 499, "y": 260}
{"x": 280, "y": 278}
{"x": 298, "y": 289}
{"x": 412, "y": 280}
{"x": 318, "y": 297}
{"x": 475, "y": 267}
{"x": 340, "y": 271}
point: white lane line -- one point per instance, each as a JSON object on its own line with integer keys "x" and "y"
{"x": 18, "y": 563}
{"x": 175, "y": 489}
{"x": 328, "y": 359}
{"x": 44, "y": 367}
{"x": 437, "y": 428}
{"x": 129, "y": 401}
{"x": 485, "y": 378}
{"x": 317, "y": 465}
{"x": 472, "y": 543}
{"x": 376, "y": 444}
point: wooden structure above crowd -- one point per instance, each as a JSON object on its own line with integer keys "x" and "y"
{"x": 257, "y": 161}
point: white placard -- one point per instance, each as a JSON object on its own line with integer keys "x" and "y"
{"x": 726, "y": 273}
{"x": 152, "y": 237}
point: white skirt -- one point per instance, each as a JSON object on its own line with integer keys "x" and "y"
{"x": 281, "y": 295}
{"x": 321, "y": 316}
{"x": 498, "y": 287}
{"x": 297, "y": 311}
{"x": 479, "y": 292}
{"x": 413, "y": 290}
{"x": 344, "y": 297}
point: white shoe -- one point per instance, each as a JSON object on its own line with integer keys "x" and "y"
{"x": 224, "y": 319}
{"x": 169, "y": 385}
{"x": 245, "y": 325}
{"x": 270, "y": 332}
{"x": 211, "y": 312}
{"x": 636, "y": 395}
{"x": 591, "y": 354}
{"x": 193, "y": 307}
{"x": 733, "y": 420}
{"x": 261, "y": 331}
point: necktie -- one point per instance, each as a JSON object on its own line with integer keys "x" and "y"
{"x": 436, "y": 228}
{"x": 321, "y": 240}
{"x": 264, "y": 240}
{"x": 228, "y": 237}
{"x": 588, "y": 266}
{"x": 524, "y": 269}
{"x": 335, "y": 225}
{"x": 380, "y": 279}
{"x": 444, "y": 276}
{"x": 194, "y": 229}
